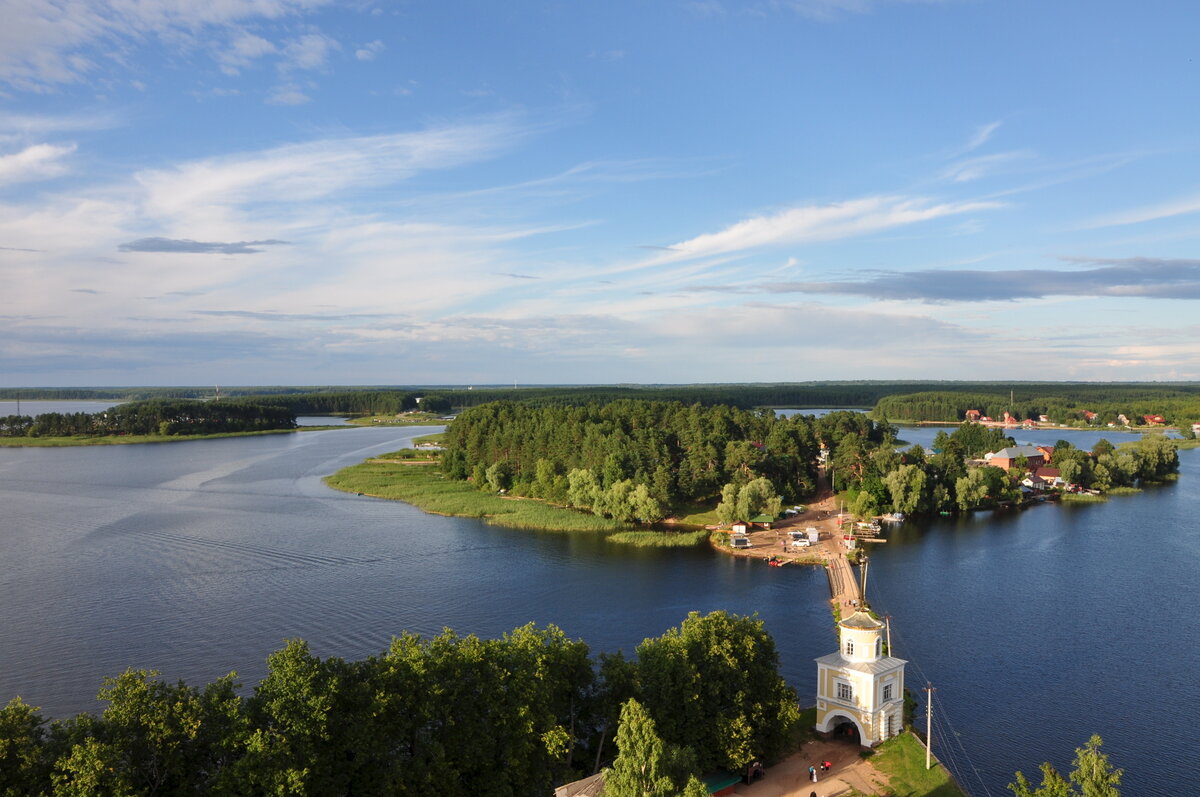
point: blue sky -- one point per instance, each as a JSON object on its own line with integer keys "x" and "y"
{"x": 306, "y": 192}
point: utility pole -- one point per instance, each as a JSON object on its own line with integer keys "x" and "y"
{"x": 929, "y": 724}
{"x": 862, "y": 598}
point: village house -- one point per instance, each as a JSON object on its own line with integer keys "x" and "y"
{"x": 973, "y": 415}
{"x": 1154, "y": 420}
{"x": 1007, "y": 457}
{"x": 1034, "y": 482}
{"x": 1051, "y": 476}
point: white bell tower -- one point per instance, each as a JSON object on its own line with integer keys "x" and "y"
{"x": 859, "y": 686}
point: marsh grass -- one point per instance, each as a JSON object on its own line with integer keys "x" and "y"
{"x": 659, "y": 539}
{"x": 1082, "y": 498}
{"x": 437, "y": 438}
{"x": 902, "y": 759}
{"x": 424, "y": 486}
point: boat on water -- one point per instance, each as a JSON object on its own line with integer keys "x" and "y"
{"x": 894, "y": 517}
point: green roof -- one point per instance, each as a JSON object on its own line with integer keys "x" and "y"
{"x": 762, "y": 519}
{"x": 719, "y": 780}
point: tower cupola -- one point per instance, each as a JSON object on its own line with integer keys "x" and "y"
{"x": 861, "y": 637}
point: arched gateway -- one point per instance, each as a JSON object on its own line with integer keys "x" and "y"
{"x": 860, "y": 685}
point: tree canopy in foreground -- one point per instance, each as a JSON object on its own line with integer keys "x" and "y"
{"x": 451, "y": 715}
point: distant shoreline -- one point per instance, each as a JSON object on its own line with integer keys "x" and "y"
{"x": 138, "y": 439}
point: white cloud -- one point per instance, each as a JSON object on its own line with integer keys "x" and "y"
{"x": 242, "y": 51}
{"x": 37, "y": 162}
{"x": 310, "y": 51}
{"x": 304, "y": 172}
{"x": 826, "y": 10}
{"x": 1162, "y": 210}
{"x": 980, "y": 137}
{"x": 39, "y": 124}
{"x": 369, "y": 50}
{"x": 982, "y": 166}
{"x": 818, "y": 223}
{"x": 46, "y": 43}
{"x": 288, "y": 95}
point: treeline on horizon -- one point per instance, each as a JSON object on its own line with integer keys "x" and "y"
{"x": 630, "y": 459}
{"x": 1177, "y": 407}
{"x": 379, "y": 399}
{"x": 451, "y": 715}
{"x": 154, "y": 417}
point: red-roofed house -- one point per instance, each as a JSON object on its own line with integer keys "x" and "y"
{"x": 1050, "y": 476}
{"x": 1154, "y": 420}
{"x": 973, "y": 415}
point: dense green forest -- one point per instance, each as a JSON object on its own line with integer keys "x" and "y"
{"x": 629, "y": 459}
{"x": 1068, "y": 405}
{"x": 450, "y": 715}
{"x": 154, "y": 417}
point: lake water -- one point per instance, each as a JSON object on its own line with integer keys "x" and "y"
{"x": 1037, "y": 627}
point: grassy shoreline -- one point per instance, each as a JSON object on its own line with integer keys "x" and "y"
{"x": 902, "y": 759}
{"x": 135, "y": 439}
{"x": 425, "y": 487}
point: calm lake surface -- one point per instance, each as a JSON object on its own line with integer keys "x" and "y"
{"x": 1038, "y": 628}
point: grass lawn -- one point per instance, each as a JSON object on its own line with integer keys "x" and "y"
{"x": 425, "y": 487}
{"x": 902, "y": 759}
{"x": 696, "y": 514}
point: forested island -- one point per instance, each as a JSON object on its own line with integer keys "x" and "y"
{"x": 638, "y": 462}
{"x": 160, "y": 417}
{"x": 450, "y": 715}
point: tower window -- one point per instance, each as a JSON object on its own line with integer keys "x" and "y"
{"x": 849, "y": 647}
{"x": 843, "y": 691}
{"x": 887, "y": 690}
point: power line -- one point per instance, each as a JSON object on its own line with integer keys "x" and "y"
{"x": 941, "y": 715}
